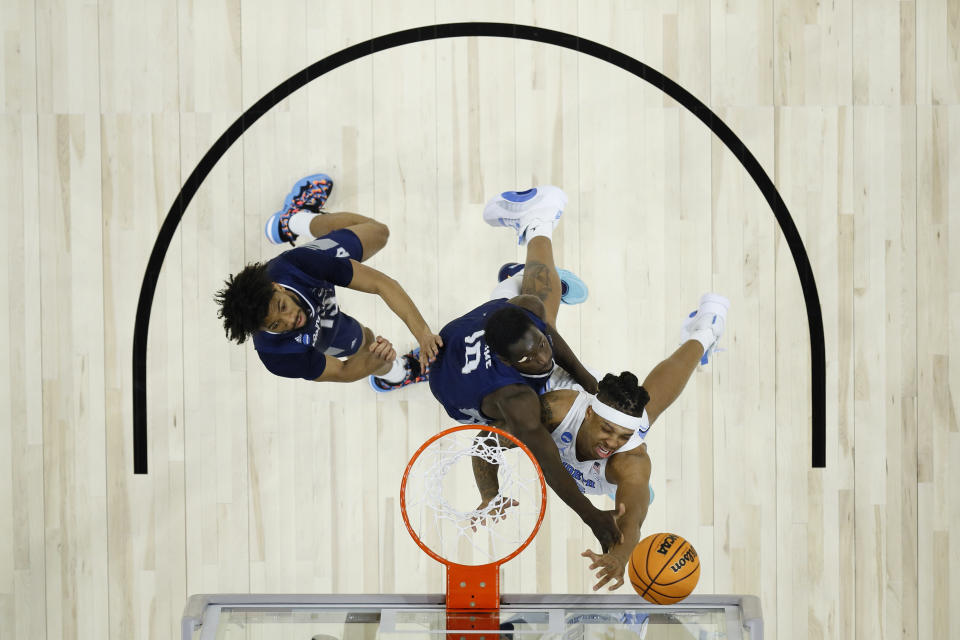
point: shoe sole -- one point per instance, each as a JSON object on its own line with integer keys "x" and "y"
{"x": 270, "y": 228}
{"x": 373, "y": 385}
{"x": 714, "y": 303}
{"x": 577, "y": 290}
{"x": 295, "y": 191}
{"x": 709, "y": 303}
{"x": 506, "y": 208}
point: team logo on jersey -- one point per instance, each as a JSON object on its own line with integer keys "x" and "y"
{"x": 327, "y": 299}
{"x": 566, "y": 437}
{"x": 304, "y": 338}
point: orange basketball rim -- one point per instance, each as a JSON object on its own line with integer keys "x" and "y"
{"x": 472, "y": 587}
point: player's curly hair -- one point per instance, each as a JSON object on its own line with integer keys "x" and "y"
{"x": 623, "y": 393}
{"x": 504, "y": 327}
{"x": 245, "y": 301}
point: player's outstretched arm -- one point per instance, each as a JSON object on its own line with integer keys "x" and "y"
{"x": 369, "y": 361}
{"x": 567, "y": 359}
{"x": 485, "y": 475}
{"x": 518, "y": 408}
{"x": 630, "y": 471}
{"x": 370, "y": 280}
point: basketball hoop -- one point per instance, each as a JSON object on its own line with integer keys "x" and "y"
{"x": 436, "y": 500}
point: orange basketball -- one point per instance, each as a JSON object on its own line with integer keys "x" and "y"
{"x": 664, "y": 568}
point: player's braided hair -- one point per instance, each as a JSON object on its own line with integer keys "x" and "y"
{"x": 245, "y": 301}
{"x": 504, "y": 327}
{"x": 623, "y": 393}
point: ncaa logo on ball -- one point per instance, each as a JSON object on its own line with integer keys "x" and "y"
{"x": 666, "y": 544}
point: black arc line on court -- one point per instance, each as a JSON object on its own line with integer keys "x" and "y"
{"x": 459, "y": 30}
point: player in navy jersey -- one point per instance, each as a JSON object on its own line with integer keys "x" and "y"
{"x": 477, "y": 386}
{"x": 289, "y": 304}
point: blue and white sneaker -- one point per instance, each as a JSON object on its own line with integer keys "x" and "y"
{"x": 308, "y": 194}
{"x": 520, "y": 209}
{"x": 573, "y": 290}
{"x": 413, "y": 374}
{"x": 706, "y": 324}
{"x": 509, "y": 270}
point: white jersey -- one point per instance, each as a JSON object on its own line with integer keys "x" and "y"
{"x": 590, "y": 475}
{"x": 562, "y": 379}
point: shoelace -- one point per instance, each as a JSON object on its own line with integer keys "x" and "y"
{"x": 413, "y": 367}
{"x": 713, "y": 351}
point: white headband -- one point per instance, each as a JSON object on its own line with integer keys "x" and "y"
{"x": 619, "y": 418}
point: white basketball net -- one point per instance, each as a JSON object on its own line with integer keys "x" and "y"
{"x": 442, "y": 498}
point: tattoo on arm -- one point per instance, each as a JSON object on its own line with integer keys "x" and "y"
{"x": 536, "y": 280}
{"x": 485, "y": 475}
{"x": 546, "y": 414}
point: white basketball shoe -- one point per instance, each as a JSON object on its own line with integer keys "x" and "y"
{"x": 706, "y": 324}
{"x": 521, "y": 210}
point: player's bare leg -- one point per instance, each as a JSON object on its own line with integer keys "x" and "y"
{"x": 533, "y": 214}
{"x": 700, "y": 334}
{"x": 373, "y": 235}
{"x": 540, "y": 276}
{"x": 302, "y": 218}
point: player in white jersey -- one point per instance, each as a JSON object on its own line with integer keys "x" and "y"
{"x": 600, "y": 438}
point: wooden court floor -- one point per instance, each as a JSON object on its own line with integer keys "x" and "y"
{"x": 258, "y": 484}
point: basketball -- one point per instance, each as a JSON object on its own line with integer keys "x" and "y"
{"x": 664, "y": 568}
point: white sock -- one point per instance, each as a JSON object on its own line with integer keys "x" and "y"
{"x": 704, "y": 337}
{"x": 539, "y": 229}
{"x": 509, "y": 288}
{"x": 300, "y": 224}
{"x": 397, "y": 373}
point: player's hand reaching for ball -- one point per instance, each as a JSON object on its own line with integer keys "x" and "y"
{"x": 430, "y": 344}
{"x": 383, "y": 350}
{"x": 605, "y": 528}
{"x": 611, "y": 566}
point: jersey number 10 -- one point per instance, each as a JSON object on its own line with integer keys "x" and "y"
{"x": 472, "y": 355}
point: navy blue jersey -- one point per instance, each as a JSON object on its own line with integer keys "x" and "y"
{"x": 466, "y": 372}
{"x": 312, "y": 271}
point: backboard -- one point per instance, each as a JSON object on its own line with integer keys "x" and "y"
{"x": 411, "y": 617}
